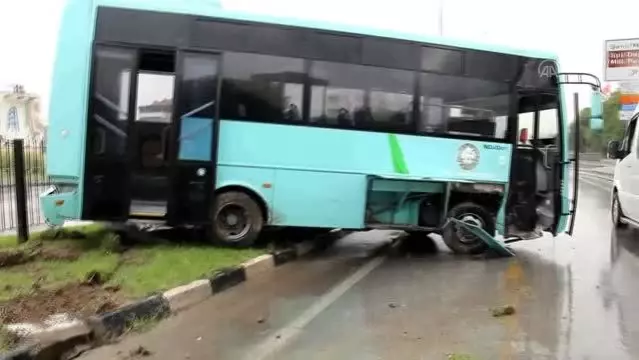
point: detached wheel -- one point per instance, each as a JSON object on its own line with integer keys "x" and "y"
{"x": 615, "y": 212}
{"x": 237, "y": 220}
{"x": 461, "y": 241}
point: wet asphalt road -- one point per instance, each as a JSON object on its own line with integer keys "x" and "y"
{"x": 575, "y": 298}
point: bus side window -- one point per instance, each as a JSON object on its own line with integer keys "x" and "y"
{"x": 262, "y": 88}
{"x": 364, "y": 97}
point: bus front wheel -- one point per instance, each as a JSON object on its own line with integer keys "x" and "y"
{"x": 461, "y": 241}
{"x": 237, "y": 220}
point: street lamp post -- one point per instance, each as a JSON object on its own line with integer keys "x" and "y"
{"x": 441, "y": 17}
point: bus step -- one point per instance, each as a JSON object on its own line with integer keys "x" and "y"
{"x": 147, "y": 209}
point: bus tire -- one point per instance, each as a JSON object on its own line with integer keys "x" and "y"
{"x": 462, "y": 242}
{"x": 237, "y": 220}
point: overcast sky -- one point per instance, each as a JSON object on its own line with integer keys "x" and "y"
{"x": 574, "y": 29}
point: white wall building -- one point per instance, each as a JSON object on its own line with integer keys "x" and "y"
{"x": 20, "y": 116}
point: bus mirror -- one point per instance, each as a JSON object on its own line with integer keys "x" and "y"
{"x": 613, "y": 149}
{"x": 596, "y": 116}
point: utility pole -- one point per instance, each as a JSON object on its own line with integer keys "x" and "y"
{"x": 441, "y": 17}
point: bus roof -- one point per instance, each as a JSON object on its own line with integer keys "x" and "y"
{"x": 214, "y": 9}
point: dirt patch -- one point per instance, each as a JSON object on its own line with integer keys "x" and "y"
{"x": 76, "y": 299}
{"x": 62, "y": 233}
{"x": 64, "y": 254}
{"x": 13, "y": 257}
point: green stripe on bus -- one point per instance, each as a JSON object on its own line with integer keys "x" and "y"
{"x": 397, "y": 155}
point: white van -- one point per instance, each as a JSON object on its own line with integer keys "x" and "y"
{"x": 625, "y": 190}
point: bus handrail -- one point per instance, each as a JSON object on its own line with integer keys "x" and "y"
{"x": 110, "y": 104}
{"x": 198, "y": 109}
{"x": 194, "y": 111}
{"x": 109, "y": 126}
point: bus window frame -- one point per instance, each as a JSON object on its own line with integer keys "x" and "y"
{"x": 186, "y": 30}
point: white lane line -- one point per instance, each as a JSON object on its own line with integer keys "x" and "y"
{"x": 285, "y": 335}
{"x": 596, "y": 184}
{"x": 595, "y": 175}
{"x": 604, "y": 183}
{"x": 601, "y": 177}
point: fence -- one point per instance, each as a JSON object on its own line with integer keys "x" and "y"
{"x": 34, "y": 177}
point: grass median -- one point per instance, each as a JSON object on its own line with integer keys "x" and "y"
{"x": 86, "y": 270}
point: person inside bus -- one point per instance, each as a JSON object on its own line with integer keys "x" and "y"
{"x": 364, "y": 117}
{"x": 292, "y": 113}
{"x": 344, "y": 117}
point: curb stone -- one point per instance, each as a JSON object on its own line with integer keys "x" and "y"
{"x": 185, "y": 296}
{"x": 54, "y": 342}
{"x": 227, "y": 278}
{"x": 113, "y": 324}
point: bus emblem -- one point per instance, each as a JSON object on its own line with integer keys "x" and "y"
{"x": 468, "y": 156}
{"x": 547, "y": 69}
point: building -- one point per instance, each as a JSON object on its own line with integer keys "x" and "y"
{"x": 20, "y": 115}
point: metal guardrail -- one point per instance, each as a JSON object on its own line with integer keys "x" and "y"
{"x": 30, "y": 172}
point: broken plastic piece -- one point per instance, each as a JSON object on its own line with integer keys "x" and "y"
{"x": 496, "y": 246}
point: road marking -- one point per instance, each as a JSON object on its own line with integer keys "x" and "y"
{"x": 285, "y": 335}
{"x": 599, "y": 182}
{"x": 513, "y": 286}
{"x": 596, "y": 184}
{"x": 596, "y": 175}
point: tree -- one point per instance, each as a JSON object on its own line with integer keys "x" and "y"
{"x": 597, "y": 140}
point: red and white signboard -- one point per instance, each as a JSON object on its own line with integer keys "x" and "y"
{"x": 622, "y": 60}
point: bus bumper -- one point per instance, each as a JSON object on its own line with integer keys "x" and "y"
{"x": 57, "y": 207}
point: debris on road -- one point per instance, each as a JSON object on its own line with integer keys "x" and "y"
{"x": 459, "y": 357}
{"x": 392, "y": 305}
{"x": 506, "y": 310}
{"x": 140, "y": 351}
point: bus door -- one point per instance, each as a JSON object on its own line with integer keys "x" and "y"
{"x": 150, "y": 130}
{"x": 535, "y": 199}
{"x": 195, "y": 138}
{"x": 106, "y": 180}
{"x": 151, "y": 148}
{"x": 173, "y": 146}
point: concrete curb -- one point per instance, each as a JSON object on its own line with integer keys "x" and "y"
{"x": 55, "y": 342}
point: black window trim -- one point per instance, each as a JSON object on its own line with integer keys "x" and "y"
{"x": 462, "y": 64}
{"x": 416, "y": 113}
{"x": 306, "y": 110}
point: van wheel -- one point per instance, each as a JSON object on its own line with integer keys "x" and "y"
{"x": 461, "y": 241}
{"x": 615, "y": 211}
{"x": 237, "y": 220}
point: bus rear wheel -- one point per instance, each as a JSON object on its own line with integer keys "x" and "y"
{"x": 461, "y": 241}
{"x": 237, "y": 220}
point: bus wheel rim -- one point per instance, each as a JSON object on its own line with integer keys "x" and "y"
{"x": 473, "y": 219}
{"x": 233, "y": 222}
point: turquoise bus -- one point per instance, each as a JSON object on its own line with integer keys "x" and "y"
{"x": 184, "y": 113}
